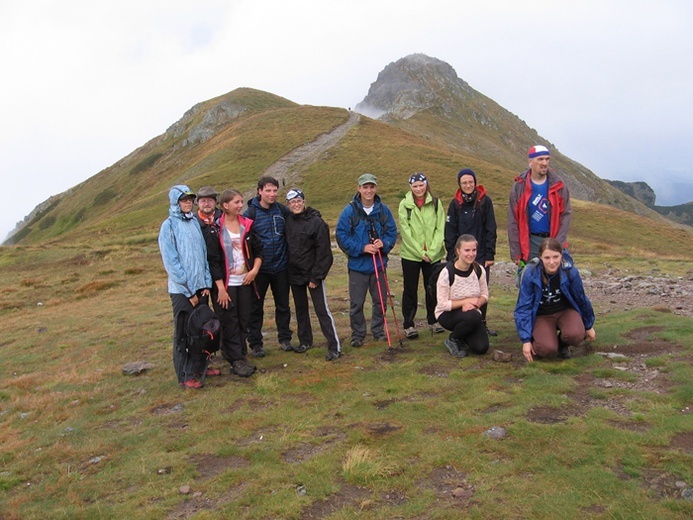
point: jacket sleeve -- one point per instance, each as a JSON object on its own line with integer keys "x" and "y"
{"x": 215, "y": 254}
{"x": 513, "y": 231}
{"x": 390, "y": 232}
{"x": 490, "y": 229}
{"x": 323, "y": 251}
{"x": 581, "y": 300}
{"x": 451, "y": 230}
{"x": 438, "y": 246}
{"x": 524, "y": 309}
{"x": 171, "y": 259}
{"x": 347, "y": 238}
{"x": 562, "y": 235}
{"x": 256, "y": 247}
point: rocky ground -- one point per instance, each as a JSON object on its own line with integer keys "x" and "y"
{"x": 616, "y": 291}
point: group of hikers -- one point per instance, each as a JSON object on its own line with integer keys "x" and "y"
{"x": 233, "y": 257}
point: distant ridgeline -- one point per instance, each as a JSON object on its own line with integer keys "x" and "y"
{"x": 641, "y": 191}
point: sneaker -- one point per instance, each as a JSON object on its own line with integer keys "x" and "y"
{"x": 258, "y": 351}
{"x": 242, "y": 368}
{"x": 286, "y": 346}
{"x": 331, "y": 355}
{"x": 490, "y": 332}
{"x": 302, "y": 348}
{"x": 453, "y": 347}
{"x": 193, "y": 383}
{"x": 411, "y": 333}
{"x": 356, "y": 343}
{"x": 213, "y": 372}
{"x": 437, "y": 328}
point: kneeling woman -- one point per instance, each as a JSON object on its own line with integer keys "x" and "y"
{"x": 552, "y": 310}
{"x": 461, "y": 289}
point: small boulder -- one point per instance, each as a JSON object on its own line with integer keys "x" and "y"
{"x": 137, "y": 367}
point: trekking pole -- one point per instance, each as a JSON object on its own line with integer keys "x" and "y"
{"x": 382, "y": 304}
{"x": 400, "y": 336}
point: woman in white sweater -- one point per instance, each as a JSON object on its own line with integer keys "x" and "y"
{"x": 461, "y": 289}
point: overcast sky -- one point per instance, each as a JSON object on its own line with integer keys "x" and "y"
{"x": 85, "y": 82}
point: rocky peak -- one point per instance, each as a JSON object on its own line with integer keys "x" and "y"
{"x": 411, "y": 84}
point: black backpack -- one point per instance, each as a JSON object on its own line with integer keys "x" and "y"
{"x": 202, "y": 330}
{"x": 432, "y": 289}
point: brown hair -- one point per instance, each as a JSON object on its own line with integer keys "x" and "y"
{"x": 551, "y": 244}
{"x": 228, "y": 195}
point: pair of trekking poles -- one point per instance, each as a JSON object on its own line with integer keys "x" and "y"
{"x": 383, "y": 304}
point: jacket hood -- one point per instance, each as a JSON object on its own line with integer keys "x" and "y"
{"x": 480, "y": 194}
{"x": 173, "y": 196}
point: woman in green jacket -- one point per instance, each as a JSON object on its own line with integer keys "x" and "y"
{"x": 422, "y": 225}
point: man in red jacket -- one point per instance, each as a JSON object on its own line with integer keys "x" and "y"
{"x": 539, "y": 207}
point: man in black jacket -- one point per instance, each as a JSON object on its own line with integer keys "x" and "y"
{"x": 310, "y": 259}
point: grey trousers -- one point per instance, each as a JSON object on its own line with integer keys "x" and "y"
{"x": 359, "y": 284}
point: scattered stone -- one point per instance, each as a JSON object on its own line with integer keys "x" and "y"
{"x": 24, "y": 415}
{"x": 197, "y": 494}
{"x": 681, "y": 484}
{"x": 501, "y": 357}
{"x": 41, "y": 330}
{"x": 607, "y": 384}
{"x": 164, "y": 471}
{"x": 39, "y": 304}
{"x": 495, "y": 432}
{"x": 96, "y": 460}
{"x": 136, "y": 367}
{"x": 462, "y": 493}
{"x": 613, "y": 356}
{"x": 184, "y": 490}
{"x": 687, "y": 494}
{"x": 301, "y": 490}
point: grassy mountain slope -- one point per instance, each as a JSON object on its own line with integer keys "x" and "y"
{"x": 228, "y": 141}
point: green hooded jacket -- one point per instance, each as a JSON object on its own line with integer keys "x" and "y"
{"x": 422, "y": 230}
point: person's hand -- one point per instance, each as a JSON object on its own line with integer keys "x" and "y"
{"x": 426, "y": 259}
{"x": 590, "y": 334}
{"x": 223, "y": 298}
{"x": 249, "y": 277}
{"x": 205, "y": 292}
{"x": 194, "y": 300}
{"x": 528, "y": 351}
{"x": 371, "y": 249}
{"x": 517, "y": 261}
{"x": 488, "y": 263}
{"x": 312, "y": 285}
{"x": 378, "y": 243}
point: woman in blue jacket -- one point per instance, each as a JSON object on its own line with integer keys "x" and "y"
{"x": 184, "y": 254}
{"x": 552, "y": 311}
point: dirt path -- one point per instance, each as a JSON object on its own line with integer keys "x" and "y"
{"x": 288, "y": 169}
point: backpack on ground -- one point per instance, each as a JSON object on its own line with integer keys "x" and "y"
{"x": 432, "y": 287}
{"x": 202, "y": 330}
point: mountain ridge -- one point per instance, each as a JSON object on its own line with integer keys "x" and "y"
{"x": 231, "y": 139}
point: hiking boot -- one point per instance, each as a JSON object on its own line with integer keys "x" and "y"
{"x": 193, "y": 383}
{"x": 380, "y": 337}
{"x": 331, "y": 355}
{"x": 356, "y": 342}
{"x": 437, "y": 328}
{"x": 454, "y": 347}
{"x": 258, "y": 351}
{"x": 213, "y": 372}
{"x": 563, "y": 351}
{"x": 242, "y": 368}
{"x": 411, "y": 333}
{"x": 302, "y": 348}
{"x": 490, "y": 332}
{"x": 286, "y": 346}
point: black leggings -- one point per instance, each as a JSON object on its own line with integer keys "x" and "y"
{"x": 468, "y": 327}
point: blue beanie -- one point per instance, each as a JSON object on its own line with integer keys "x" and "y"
{"x": 466, "y": 171}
